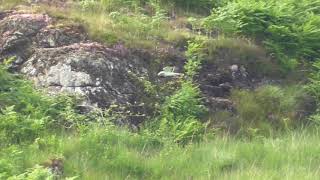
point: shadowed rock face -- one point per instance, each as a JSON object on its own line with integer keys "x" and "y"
{"x": 51, "y": 37}
{"x": 17, "y": 32}
{"x": 61, "y": 59}
{"x": 22, "y": 34}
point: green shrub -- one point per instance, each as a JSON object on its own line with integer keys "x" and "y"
{"x": 25, "y": 113}
{"x": 195, "y": 56}
{"x": 36, "y": 173}
{"x": 267, "y": 108}
{"x": 288, "y": 29}
{"x": 182, "y": 112}
{"x": 200, "y": 6}
{"x": 181, "y": 115}
{"x": 10, "y": 161}
{"x": 17, "y": 128}
{"x": 313, "y": 88}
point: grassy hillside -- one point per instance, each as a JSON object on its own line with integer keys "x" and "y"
{"x": 114, "y": 154}
{"x": 31, "y": 134}
{"x": 274, "y": 134}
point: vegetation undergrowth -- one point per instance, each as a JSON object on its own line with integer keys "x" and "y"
{"x": 121, "y": 22}
{"x": 276, "y": 132}
{"x": 112, "y": 154}
{"x": 268, "y": 109}
{"x": 287, "y": 28}
{"x": 45, "y": 138}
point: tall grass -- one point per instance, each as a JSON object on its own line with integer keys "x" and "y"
{"x": 117, "y": 23}
{"x": 8, "y": 4}
{"x": 269, "y": 108}
{"x": 109, "y": 154}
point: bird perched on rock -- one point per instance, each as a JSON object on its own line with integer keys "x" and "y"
{"x": 169, "y": 72}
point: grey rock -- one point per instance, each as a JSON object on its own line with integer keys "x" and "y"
{"x": 50, "y": 37}
{"x": 88, "y": 69}
{"x": 21, "y": 34}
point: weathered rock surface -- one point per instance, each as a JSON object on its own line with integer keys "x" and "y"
{"x": 22, "y": 34}
{"x": 61, "y": 59}
{"x": 17, "y": 32}
{"x": 55, "y": 36}
{"x": 89, "y": 69}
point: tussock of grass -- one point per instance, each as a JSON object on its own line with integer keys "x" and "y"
{"x": 241, "y": 46}
{"x": 268, "y": 107}
{"x": 134, "y": 29}
{"x": 8, "y": 4}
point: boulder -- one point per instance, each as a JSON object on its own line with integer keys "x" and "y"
{"x": 61, "y": 59}
{"x": 21, "y": 34}
{"x": 88, "y": 69}
{"x": 17, "y": 32}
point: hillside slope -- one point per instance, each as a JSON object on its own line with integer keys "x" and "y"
{"x": 143, "y": 89}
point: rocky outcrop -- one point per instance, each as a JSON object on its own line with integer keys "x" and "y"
{"x": 230, "y": 68}
{"x": 90, "y": 69}
{"x": 22, "y": 34}
{"x": 17, "y": 32}
{"x": 62, "y": 59}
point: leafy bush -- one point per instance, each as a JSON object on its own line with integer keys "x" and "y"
{"x": 182, "y": 112}
{"x": 10, "y": 161}
{"x": 181, "y": 115}
{"x": 267, "y": 108}
{"x": 26, "y": 113}
{"x": 36, "y": 173}
{"x": 289, "y": 29}
{"x": 17, "y": 128}
{"x": 199, "y": 6}
{"x": 195, "y": 57}
{"x": 313, "y": 88}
